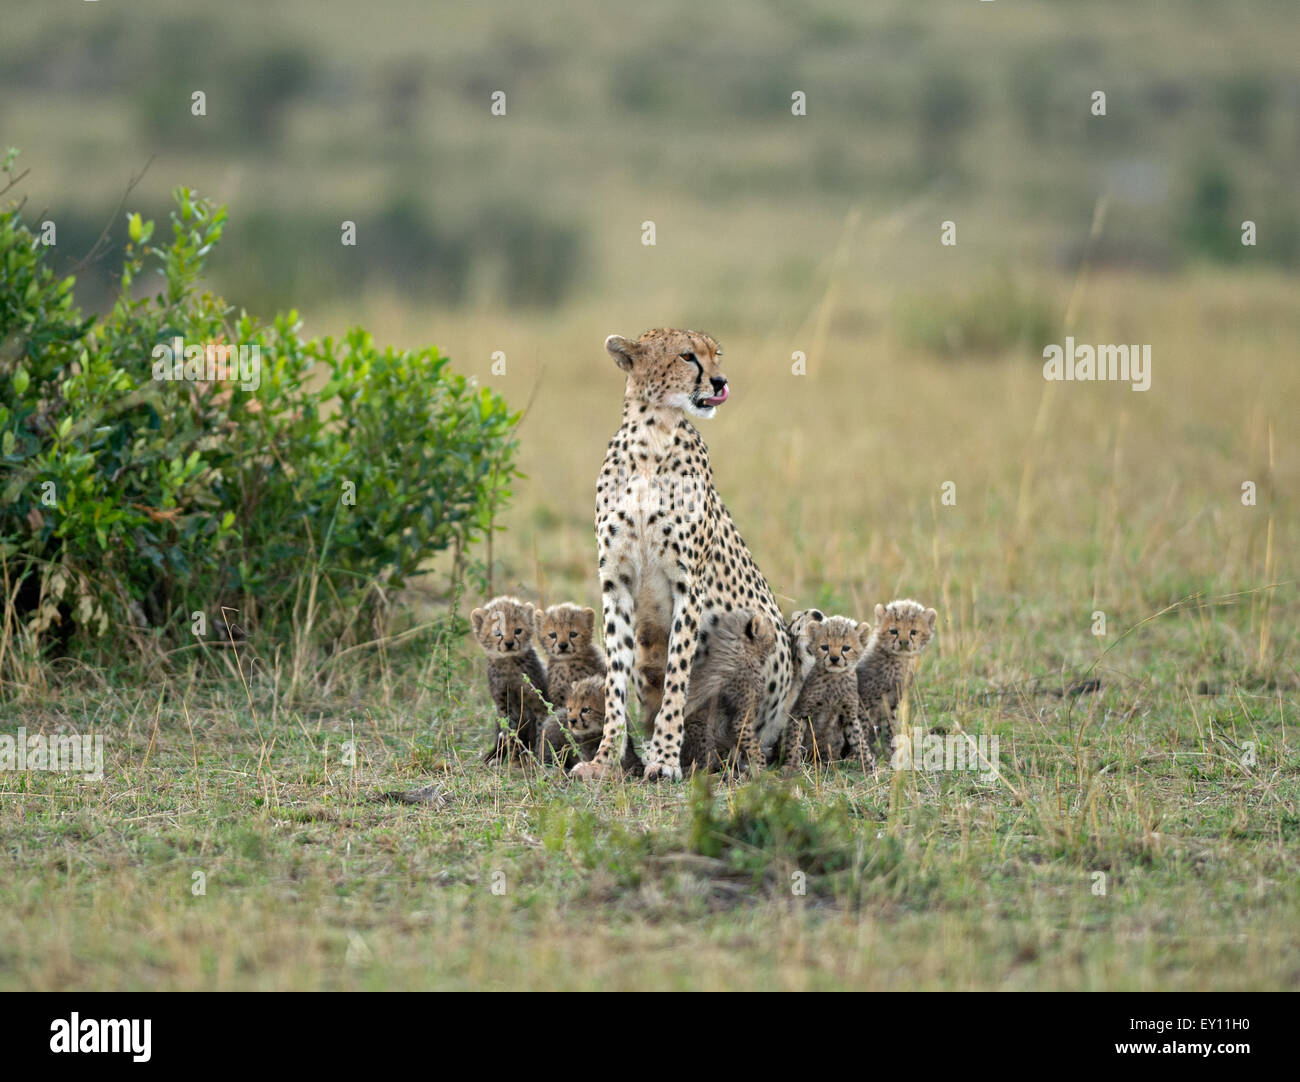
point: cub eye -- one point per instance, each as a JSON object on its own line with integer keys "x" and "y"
{"x": 498, "y": 633}
{"x": 912, "y": 632}
{"x": 894, "y": 631}
{"x": 825, "y": 649}
{"x": 552, "y": 634}
{"x": 689, "y": 358}
{"x": 584, "y": 711}
{"x": 519, "y": 631}
{"x": 574, "y": 634}
{"x": 844, "y": 649}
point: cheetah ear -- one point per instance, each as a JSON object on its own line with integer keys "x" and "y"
{"x": 589, "y": 620}
{"x": 476, "y": 619}
{"x": 623, "y": 351}
{"x": 931, "y": 618}
{"x": 864, "y": 633}
{"x": 816, "y": 614}
{"x": 530, "y": 613}
{"x": 538, "y": 618}
{"x": 880, "y": 614}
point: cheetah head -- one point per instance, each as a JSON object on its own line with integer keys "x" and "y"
{"x": 905, "y": 627}
{"x": 585, "y": 705}
{"x": 503, "y": 627}
{"x": 564, "y": 630}
{"x": 674, "y": 369}
{"x": 837, "y": 642}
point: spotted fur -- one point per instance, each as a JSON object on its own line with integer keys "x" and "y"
{"x": 725, "y": 693}
{"x": 670, "y": 556}
{"x": 803, "y": 659}
{"x": 516, "y": 677}
{"x": 826, "y": 723}
{"x": 581, "y": 722}
{"x": 565, "y": 634}
{"x": 903, "y": 630}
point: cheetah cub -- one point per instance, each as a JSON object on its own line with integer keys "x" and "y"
{"x": 803, "y": 659}
{"x": 726, "y": 690}
{"x": 582, "y": 719}
{"x": 826, "y": 720}
{"x": 516, "y": 676}
{"x": 565, "y": 632}
{"x": 649, "y": 660}
{"x": 903, "y": 629}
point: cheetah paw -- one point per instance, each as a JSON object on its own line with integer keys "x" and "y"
{"x": 591, "y": 771}
{"x": 663, "y": 772}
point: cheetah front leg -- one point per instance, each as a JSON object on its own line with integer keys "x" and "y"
{"x": 664, "y": 755}
{"x": 616, "y": 605}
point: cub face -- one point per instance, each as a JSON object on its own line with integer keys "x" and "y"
{"x": 564, "y": 630}
{"x": 837, "y": 642}
{"x": 672, "y": 368}
{"x": 503, "y": 627}
{"x": 905, "y": 627}
{"x": 586, "y": 706}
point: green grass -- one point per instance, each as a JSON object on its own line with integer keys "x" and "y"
{"x": 923, "y": 368}
{"x": 910, "y": 879}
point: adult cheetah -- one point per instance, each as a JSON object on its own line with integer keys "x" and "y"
{"x": 671, "y": 559}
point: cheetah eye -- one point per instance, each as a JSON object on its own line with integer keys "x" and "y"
{"x": 912, "y": 632}
{"x": 498, "y": 633}
{"x": 894, "y": 631}
{"x": 844, "y": 649}
{"x": 825, "y": 649}
{"x": 574, "y": 634}
{"x": 519, "y": 631}
{"x": 689, "y": 358}
{"x": 584, "y": 711}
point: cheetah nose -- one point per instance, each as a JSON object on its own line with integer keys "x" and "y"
{"x": 719, "y": 392}
{"x": 564, "y": 647}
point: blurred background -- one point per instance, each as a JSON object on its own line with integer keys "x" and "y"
{"x": 817, "y": 234}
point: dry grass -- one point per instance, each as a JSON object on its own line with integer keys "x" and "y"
{"x": 1177, "y": 781}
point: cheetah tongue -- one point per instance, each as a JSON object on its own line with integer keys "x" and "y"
{"x": 716, "y": 400}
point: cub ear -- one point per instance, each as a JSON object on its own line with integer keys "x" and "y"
{"x": 623, "y": 351}
{"x": 816, "y": 614}
{"x": 530, "y": 614}
{"x": 476, "y": 619}
{"x": 880, "y": 614}
{"x": 931, "y": 618}
{"x": 864, "y": 633}
{"x": 589, "y": 620}
{"x": 539, "y": 618}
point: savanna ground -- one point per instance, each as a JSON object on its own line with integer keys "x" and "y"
{"x": 1142, "y": 835}
{"x": 1070, "y": 500}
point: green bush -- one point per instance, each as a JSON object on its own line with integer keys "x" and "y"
{"x": 130, "y": 501}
